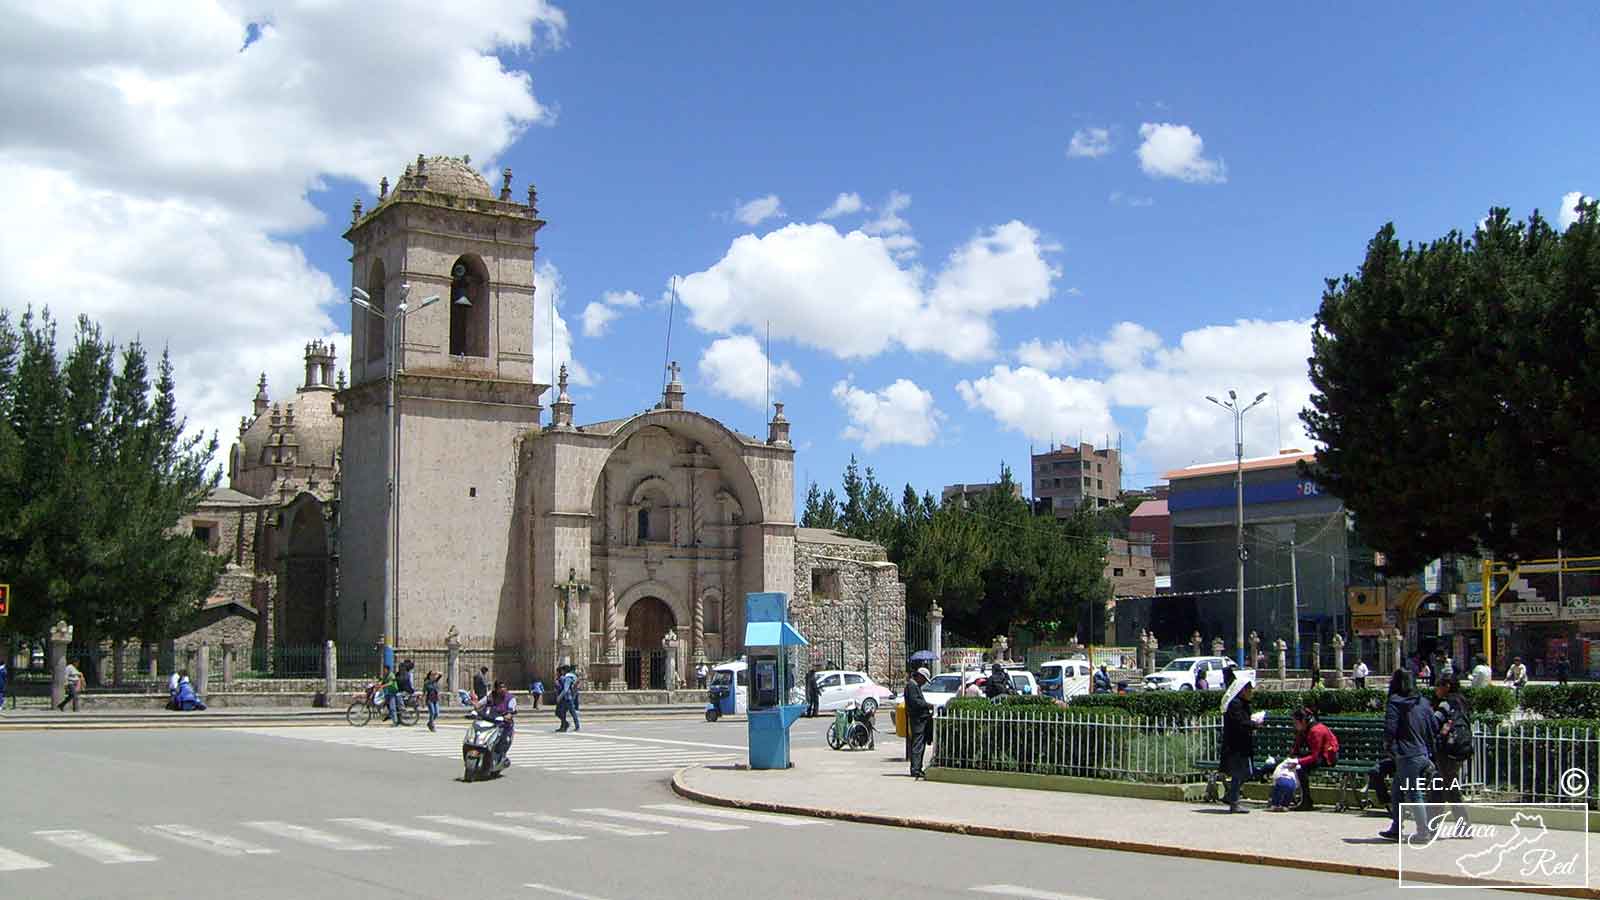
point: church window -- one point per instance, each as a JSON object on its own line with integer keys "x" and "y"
{"x": 206, "y": 534}
{"x": 469, "y": 307}
{"x": 644, "y": 525}
{"x": 711, "y": 613}
{"x": 376, "y": 323}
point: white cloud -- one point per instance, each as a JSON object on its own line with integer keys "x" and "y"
{"x": 1090, "y": 143}
{"x": 848, "y": 295}
{"x": 842, "y": 205}
{"x": 1118, "y": 198}
{"x": 758, "y": 210}
{"x": 901, "y": 413}
{"x": 599, "y": 314}
{"x": 161, "y": 166}
{"x": 892, "y": 228}
{"x": 1057, "y": 354}
{"x": 1166, "y": 385}
{"x": 1568, "y": 213}
{"x": 1175, "y": 151}
{"x": 736, "y": 367}
{"x": 548, "y": 287}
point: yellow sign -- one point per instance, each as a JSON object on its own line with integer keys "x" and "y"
{"x": 1477, "y": 620}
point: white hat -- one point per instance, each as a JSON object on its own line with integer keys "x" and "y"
{"x": 1240, "y": 682}
{"x": 926, "y": 675}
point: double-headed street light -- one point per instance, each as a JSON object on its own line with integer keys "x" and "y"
{"x": 391, "y": 548}
{"x": 1232, "y": 405}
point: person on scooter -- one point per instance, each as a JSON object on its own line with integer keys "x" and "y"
{"x": 999, "y": 682}
{"x": 501, "y": 703}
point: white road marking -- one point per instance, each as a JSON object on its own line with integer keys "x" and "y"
{"x": 645, "y": 740}
{"x": 1011, "y": 890}
{"x": 12, "y": 861}
{"x": 216, "y": 843}
{"x": 561, "y": 893}
{"x": 671, "y": 821}
{"x": 561, "y": 822}
{"x": 93, "y": 846}
{"x": 737, "y": 815}
{"x": 407, "y": 833}
{"x": 530, "y": 834}
{"x": 312, "y": 836}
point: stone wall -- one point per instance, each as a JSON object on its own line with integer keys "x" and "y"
{"x": 218, "y": 624}
{"x": 858, "y": 610}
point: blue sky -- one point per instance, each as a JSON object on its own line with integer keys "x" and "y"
{"x": 1163, "y": 277}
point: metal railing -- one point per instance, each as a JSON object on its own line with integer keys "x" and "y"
{"x": 1084, "y": 745}
{"x": 1529, "y": 762}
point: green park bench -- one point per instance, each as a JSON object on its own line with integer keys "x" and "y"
{"x": 1360, "y": 748}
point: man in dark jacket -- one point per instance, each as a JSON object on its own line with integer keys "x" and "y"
{"x": 919, "y": 720}
{"x": 1238, "y": 742}
{"x": 813, "y": 693}
{"x": 999, "y": 682}
{"x": 1410, "y": 734}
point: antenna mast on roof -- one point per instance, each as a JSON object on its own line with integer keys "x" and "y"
{"x": 672, "y": 307}
{"x": 767, "y": 376}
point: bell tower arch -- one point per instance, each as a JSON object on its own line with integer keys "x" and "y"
{"x": 446, "y": 266}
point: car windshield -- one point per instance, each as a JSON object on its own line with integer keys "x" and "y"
{"x": 1179, "y": 665}
{"x": 944, "y": 684}
{"x": 1049, "y": 672}
{"x": 721, "y": 678}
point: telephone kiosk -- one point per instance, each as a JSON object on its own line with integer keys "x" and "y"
{"x": 768, "y": 640}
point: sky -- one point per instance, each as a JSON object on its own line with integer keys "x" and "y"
{"x": 968, "y": 231}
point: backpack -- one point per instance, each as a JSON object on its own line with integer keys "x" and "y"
{"x": 1458, "y": 743}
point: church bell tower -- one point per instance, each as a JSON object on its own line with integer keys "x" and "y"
{"x": 442, "y": 278}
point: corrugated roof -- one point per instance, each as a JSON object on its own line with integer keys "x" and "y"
{"x": 1250, "y": 465}
{"x": 1150, "y": 508}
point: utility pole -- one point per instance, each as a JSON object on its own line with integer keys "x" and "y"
{"x": 1294, "y": 594}
{"x": 1232, "y": 405}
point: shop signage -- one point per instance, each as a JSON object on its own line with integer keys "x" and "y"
{"x": 1528, "y": 612}
{"x": 1366, "y": 601}
{"x": 1474, "y": 595}
{"x": 1581, "y": 609}
{"x": 1431, "y": 576}
{"x": 1367, "y": 626}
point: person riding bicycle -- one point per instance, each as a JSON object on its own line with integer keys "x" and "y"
{"x": 999, "y": 683}
{"x": 500, "y": 703}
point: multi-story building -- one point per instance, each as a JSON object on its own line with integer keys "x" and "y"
{"x": 970, "y": 492}
{"x": 1065, "y": 478}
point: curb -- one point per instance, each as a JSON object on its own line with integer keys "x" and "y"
{"x": 1092, "y": 843}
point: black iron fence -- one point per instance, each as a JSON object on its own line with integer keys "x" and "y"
{"x": 645, "y": 669}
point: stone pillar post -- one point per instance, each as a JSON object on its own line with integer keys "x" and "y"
{"x": 1397, "y": 646}
{"x": 1138, "y": 650}
{"x": 669, "y": 643}
{"x": 1316, "y": 659}
{"x": 452, "y": 664}
{"x": 60, "y": 636}
{"x": 1218, "y": 646}
{"x": 1282, "y": 647}
{"x": 152, "y": 661}
{"x": 613, "y": 637}
{"x": 1338, "y": 662}
{"x": 1382, "y": 659}
{"x": 1255, "y": 649}
{"x": 202, "y": 663}
{"x": 1150, "y": 654}
{"x": 227, "y": 665}
{"x": 1194, "y": 644}
{"x": 697, "y": 630}
{"x": 936, "y": 635}
{"x": 330, "y": 670}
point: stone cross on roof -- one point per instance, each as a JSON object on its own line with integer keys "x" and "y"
{"x": 674, "y": 368}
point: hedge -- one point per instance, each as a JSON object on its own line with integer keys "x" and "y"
{"x": 1489, "y": 701}
{"x": 1556, "y": 701}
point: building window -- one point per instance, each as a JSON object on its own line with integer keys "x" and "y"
{"x": 1116, "y": 573}
{"x": 711, "y": 613}
{"x": 825, "y": 584}
{"x": 203, "y": 534}
{"x": 1099, "y": 483}
{"x": 1141, "y": 573}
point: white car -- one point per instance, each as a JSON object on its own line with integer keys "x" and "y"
{"x": 1066, "y": 678}
{"x": 943, "y": 688}
{"x": 1192, "y": 673}
{"x": 836, "y": 688}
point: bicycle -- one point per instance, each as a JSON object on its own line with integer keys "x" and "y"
{"x": 371, "y": 703}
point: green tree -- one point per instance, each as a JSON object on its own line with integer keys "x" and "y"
{"x": 821, "y": 509}
{"x": 1456, "y": 390}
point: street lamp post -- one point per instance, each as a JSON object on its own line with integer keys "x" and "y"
{"x": 1232, "y": 405}
{"x": 391, "y": 547}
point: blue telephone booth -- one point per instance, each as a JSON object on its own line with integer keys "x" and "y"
{"x": 768, "y": 640}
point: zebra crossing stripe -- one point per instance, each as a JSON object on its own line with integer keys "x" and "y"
{"x": 216, "y": 843}
{"x": 653, "y": 819}
{"x": 583, "y": 824}
{"x": 93, "y": 846}
{"x": 12, "y": 861}
{"x": 314, "y": 837}
{"x": 736, "y": 815}
{"x": 406, "y": 833}
{"x": 529, "y": 834}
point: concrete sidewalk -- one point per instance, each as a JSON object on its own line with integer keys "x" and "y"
{"x": 223, "y": 717}
{"x": 873, "y": 787}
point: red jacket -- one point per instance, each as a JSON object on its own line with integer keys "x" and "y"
{"x": 1322, "y": 744}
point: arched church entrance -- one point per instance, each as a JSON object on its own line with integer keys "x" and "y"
{"x": 645, "y": 662}
{"x": 303, "y": 591}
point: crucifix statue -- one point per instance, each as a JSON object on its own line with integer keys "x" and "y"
{"x": 674, "y": 368}
{"x": 567, "y": 628}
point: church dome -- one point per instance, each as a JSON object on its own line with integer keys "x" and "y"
{"x": 294, "y": 441}
{"x": 448, "y": 175}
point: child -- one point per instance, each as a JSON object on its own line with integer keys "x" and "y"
{"x": 536, "y": 690}
{"x": 1284, "y": 783}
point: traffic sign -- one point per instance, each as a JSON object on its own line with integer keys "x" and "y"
{"x": 5, "y": 599}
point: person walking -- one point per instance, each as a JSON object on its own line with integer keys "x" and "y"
{"x": 480, "y": 684}
{"x": 1563, "y": 669}
{"x": 567, "y": 699}
{"x": 536, "y": 691}
{"x": 391, "y": 696}
{"x": 813, "y": 693}
{"x": 1321, "y": 748}
{"x": 1518, "y": 676}
{"x": 1359, "y": 673}
{"x": 4, "y": 674}
{"x": 430, "y": 695}
{"x": 1410, "y": 735}
{"x": 919, "y": 720}
{"x": 1238, "y": 738}
{"x": 1452, "y": 715}
{"x": 700, "y": 676}
{"x": 73, "y": 685}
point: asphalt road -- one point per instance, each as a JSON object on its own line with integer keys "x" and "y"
{"x": 379, "y": 812}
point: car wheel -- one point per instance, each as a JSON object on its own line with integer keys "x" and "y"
{"x": 869, "y": 705}
{"x": 1185, "y": 687}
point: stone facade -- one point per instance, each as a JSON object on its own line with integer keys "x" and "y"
{"x": 849, "y": 602}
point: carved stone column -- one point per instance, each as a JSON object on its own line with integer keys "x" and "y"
{"x": 613, "y": 637}
{"x": 1217, "y": 646}
{"x": 697, "y": 632}
{"x": 1397, "y": 646}
{"x": 936, "y": 635}
{"x": 1337, "y": 680}
{"x": 1282, "y": 647}
{"x": 1255, "y": 648}
{"x": 1150, "y": 656}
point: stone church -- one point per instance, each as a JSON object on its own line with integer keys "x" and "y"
{"x": 599, "y": 544}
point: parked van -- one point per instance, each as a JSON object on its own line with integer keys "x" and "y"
{"x": 1065, "y": 678}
